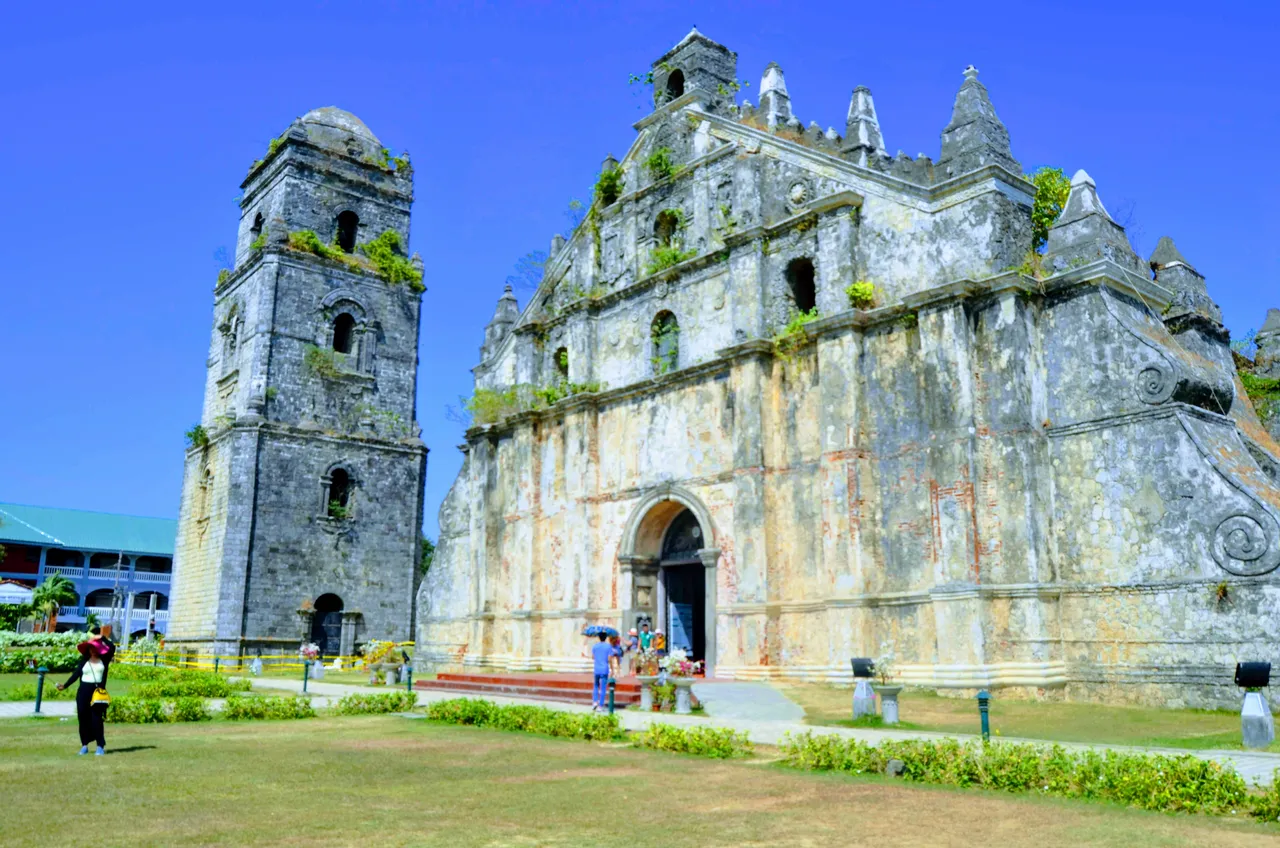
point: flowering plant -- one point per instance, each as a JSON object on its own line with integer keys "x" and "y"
{"x": 885, "y": 669}
{"x": 677, "y": 664}
{"x": 646, "y": 663}
{"x": 309, "y": 650}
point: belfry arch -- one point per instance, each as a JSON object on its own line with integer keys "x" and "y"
{"x": 667, "y": 541}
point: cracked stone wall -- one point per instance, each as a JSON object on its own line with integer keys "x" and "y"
{"x": 1034, "y": 484}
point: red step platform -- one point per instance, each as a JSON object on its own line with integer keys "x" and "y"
{"x": 570, "y": 688}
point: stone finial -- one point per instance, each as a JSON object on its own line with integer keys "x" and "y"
{"x": 1175, "y": 273}
{"x": 1267, "y": 360}
{"x": 775, "y": 103}
{"x": 609, "y": 163}
{"x": 975, "y": 137}
{"x": 504, "y": 316}
{"x": 1085, "y": 232}
{"x": 557, "y": 244}
{"x": 862, "y": 137}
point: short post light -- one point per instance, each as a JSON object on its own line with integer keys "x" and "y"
{"x": 613, "y": 685}
{"x": 306, "y": 674}
{"x": 40, "y": 673}
{"x": 864, "y": 697}
{"x": 1257, "y": 727}
{"x": 408, "y": 672}
{"x": 984, "y": 708}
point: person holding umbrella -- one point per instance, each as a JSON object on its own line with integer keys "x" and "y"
{"x": 91, "y": 697}
{"x": 601, "y": 653}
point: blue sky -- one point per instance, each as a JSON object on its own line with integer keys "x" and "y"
{"x": 130, "y": 129}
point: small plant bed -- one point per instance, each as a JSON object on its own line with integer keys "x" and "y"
{"x": 715, "y": 742}
{"x": 376, "y": 703}
{"x": 528, "y": 719}
{"x": 1182, "y": 784}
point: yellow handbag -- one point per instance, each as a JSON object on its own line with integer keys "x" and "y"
{"x": 100, "y": 697}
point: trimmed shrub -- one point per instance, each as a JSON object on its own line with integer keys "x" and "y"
{"x": 721, "y": 743}
{"x": 382, "y": 702}
{"x": 1150, "y": 781}
{"x": 192, "y": 684}
{"x": 237, "y": 708}
{"x": 27, "y": 692}
{"x": 125, "y": 709}
{"x": 190, "y": 709}
{"x": 526, "y": 719}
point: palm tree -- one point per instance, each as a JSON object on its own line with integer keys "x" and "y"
{"x": 55, "y": 592}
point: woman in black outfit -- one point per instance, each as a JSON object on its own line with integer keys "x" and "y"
{"x": 91, "y": 671}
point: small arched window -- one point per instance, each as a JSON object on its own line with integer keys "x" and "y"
{"x": 665, "y": 334}
{"x": 675, "y": 84}
{"x": 339, "y": 505}
{"x": 665, "y": 227}
{"x": 562, "y": 363}
{"x": 801, "y": 282}
{"x": 348, "y": 222}
{"x": 256, "y": 229}
{"x": 343, "y": 332}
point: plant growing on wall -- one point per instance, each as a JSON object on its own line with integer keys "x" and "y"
{"x": 338, "y": 512}
{"x": 665, "y": 336}
{"x": 663, "y": 258}
{"x": 1052, "y": 190}
{"x": 1264, "y": 394}
{"x": 792, "y": 337}
{"x": 862, "y": 294}
{"x": 259, "y": 242}
{"x": 384, "y": 253}
{"x": 197, "y": 437}
{"x": 660, "y": 165}
{"x": 320, "y": 362}
{"x": 608, "y": 186}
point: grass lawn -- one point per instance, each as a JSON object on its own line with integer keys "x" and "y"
{"x": 924, "y": 710}
{"x": 393, "y": 781}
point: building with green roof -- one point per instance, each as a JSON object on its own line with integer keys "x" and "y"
{"x": 116, "y": 562}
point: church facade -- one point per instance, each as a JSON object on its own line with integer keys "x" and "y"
{"x": 302, "y": 493}
{"x": 795, "y": 400}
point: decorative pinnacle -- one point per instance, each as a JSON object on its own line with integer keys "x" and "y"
{"x": 971, "y": 73}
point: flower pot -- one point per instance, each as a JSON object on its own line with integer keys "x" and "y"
{"x": 888, "y": 703}
{"x": 646, "y": 692}
{"x": 684, "y": 687}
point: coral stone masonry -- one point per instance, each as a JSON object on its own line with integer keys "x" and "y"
{"x": 1055, "y": 485}
{"x": 302, "y": 497}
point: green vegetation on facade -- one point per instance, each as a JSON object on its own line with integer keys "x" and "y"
{"x": 660, "y": 165}
{"x": 665, "y": 257}
{"x": 1264, "y": 394}
{"x": 197, "y": 437}
{"x": 862, "y": 295}
{"x": 1052, "y": 189}
{"x": 321, "y": 362}
{"x": 608, "y": 186}
{"x": 489, "y": 406}
{"x": 792, "y": 336}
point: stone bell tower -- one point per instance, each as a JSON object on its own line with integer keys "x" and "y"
{"x": 302, "y": 496}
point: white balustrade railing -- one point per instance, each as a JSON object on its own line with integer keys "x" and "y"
{"x": 68, "y": 611}
{"x": 108, "y": 574}
{"x": 152, "y": 576}
{"x": 64, "y": 570}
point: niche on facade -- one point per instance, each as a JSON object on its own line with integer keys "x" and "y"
{"x": 348, "y": 332}
{"x": 801, "y": 284}
{"x": 664, "y": 335}
{"x": 231, "y": 328}
{"x": 561, "y": 362}
{"x": 338, "y": 486}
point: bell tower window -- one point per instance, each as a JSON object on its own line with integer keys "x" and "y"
{"x": 348, "y": 222}
{"x": 339, "y": 505}
{"x": 675, "y": 84}
{"x": 343, "y": 332}
{"x": 800, "y": 280}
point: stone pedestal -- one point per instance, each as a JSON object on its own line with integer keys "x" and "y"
{"x": 888, "y": 703}
{"x": 684, "y": 687}
{"x": 391, "y": 678}
{"x": 317, "y": 670}
{"x": 1256, "y": 724}
{"x": 864, "y": 699}
{"x": 646, "y": 693}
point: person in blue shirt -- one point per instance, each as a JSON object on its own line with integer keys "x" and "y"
{"x": 600, "y": 654}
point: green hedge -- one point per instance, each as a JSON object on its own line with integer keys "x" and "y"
{"x": 128, "y": 709}
{"x": 1150, "y": 781}
{"x": 382, "y": 702}
{"x": 27, "y": 692}
{"x": 14, "y": 660}
{"x": 528, "y": 719}
{"x": 192, "y": 684}
{"x": 237, "y": 708}
{"x": 67, "y": 639}
{"x": 717, "y": 742}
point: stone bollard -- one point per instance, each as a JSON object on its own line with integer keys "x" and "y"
{"x": 404, "y": 674}
{"x": 391, "y": 678}
{"x": 1256, "y": 724}
{"x": 684, "y": 687}
{"x": 646, "y": 692}
{"x": 864, "y": 699}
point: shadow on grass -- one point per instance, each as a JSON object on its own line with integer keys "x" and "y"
{"x": 131, "y": 749}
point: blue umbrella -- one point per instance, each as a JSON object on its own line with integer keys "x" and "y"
{"x": 597, "y": 629}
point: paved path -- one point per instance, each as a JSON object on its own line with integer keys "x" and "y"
{"x": 760, "y": 728}
{"x": 751, "y": 701}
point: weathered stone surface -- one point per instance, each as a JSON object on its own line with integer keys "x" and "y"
{"x": 255, "y": 539}
{"x": 1008, "y": 482}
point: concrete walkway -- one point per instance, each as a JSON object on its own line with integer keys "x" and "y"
{"x": 726, "y": 710}
{"x": 750, "y": 701}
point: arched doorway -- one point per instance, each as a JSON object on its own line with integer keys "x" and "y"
{"x": 668, "y": 544}
{"x": 682, "y": 586}
{"x": 326, "y": 624}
